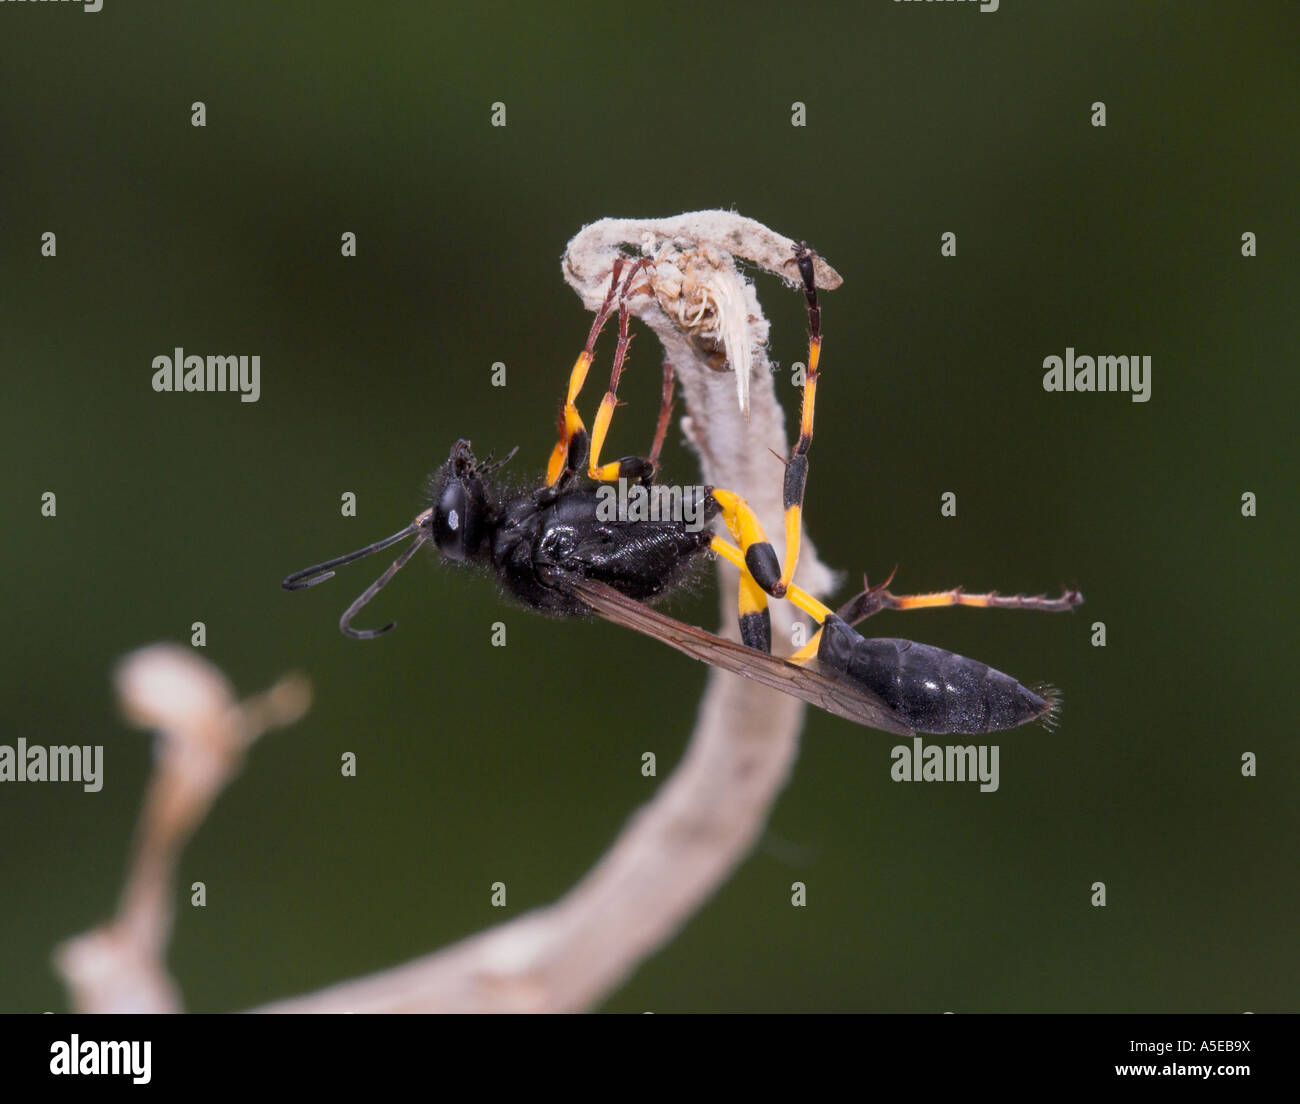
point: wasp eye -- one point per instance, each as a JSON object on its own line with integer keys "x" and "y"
{"x": 449, "y": 521}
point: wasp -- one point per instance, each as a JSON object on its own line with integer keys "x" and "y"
{"x": 555, "y": 550}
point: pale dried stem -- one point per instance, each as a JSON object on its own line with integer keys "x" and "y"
{"x": 203, "y": 733}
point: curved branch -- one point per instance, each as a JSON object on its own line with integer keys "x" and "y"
{"x": 203, "y": 734}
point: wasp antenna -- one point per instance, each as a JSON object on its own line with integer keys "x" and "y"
{"x": 492, "y": 465}
{"x": 318, "y": 573}
{"x": 345, "y": 622}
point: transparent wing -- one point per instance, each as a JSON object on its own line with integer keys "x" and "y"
{"x": 850, "y": 702}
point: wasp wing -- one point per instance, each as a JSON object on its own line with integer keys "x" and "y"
{"x": 850, "y": 702}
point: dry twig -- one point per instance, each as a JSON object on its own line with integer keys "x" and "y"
{"x": 203, "y": 734}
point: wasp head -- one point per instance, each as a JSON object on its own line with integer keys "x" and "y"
{"x": 462, "y": 506}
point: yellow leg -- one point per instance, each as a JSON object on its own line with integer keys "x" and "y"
{"x": 992, "y": 600}
{"x": 756, "y": 557}
{"x": 570, "y": 420}
{"x": 628, "y": 467}
{"x": 796, "y": 470}
{"x": 755, "y": 617}
{"x": 808, "y": 651}
{"x": 756, "y": 550}
{"x": 874, "y": 599}
{"x": 796, "y": 596}
{"x": 570, "y": 423}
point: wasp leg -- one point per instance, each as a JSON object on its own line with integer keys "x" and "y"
{"x": 755, "y": 617}
{"x": 796, "y": 469}
{"x": 761, "y": 571}
{"x": 873, "y": 599}
{"x": 758, "y": 555}
{"x": 570, "y": 423}
{"x": 628, "y": 467}
{"x": 809, "y": 651}
{"x": 665, "y": 415}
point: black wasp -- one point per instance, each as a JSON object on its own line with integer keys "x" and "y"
{"x": 556, "y": 551}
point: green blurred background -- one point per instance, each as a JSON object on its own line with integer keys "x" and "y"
{"x": 480, "y": 764}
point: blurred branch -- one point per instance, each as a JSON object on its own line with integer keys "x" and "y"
{"x": 203, "y": 734}
{"x": 677, "y": 849}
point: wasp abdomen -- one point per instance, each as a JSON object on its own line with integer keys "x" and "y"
{"x": 932, "y": 690}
